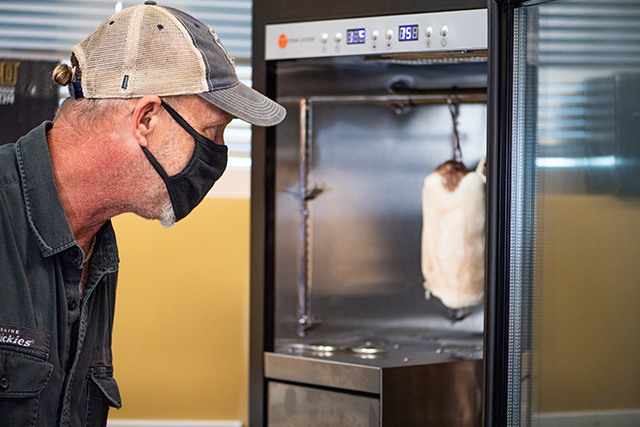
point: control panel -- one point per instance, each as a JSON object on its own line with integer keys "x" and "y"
{"x": 422, "y": 32}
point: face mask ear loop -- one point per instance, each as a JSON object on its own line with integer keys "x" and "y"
{"x": 167, "y": 182}
{"x": 182, "y": 122}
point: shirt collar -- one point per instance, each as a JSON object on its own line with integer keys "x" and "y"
{"x": 44, "y": 208}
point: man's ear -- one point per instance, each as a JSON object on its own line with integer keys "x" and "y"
{"x": 144, "y": 119}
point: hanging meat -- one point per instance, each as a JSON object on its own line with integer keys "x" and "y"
{"x": 453, "y": 233}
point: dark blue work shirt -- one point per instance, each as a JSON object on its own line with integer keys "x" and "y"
{"x": 55, "y": 347}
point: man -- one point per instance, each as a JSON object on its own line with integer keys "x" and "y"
{"x": 152, "y": 90}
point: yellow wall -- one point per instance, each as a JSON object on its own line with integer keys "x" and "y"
{"x": 587, "y": 304}
{"x": 180, "y": 341}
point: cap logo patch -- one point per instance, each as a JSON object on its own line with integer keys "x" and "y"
{"x": 125, "y": 81}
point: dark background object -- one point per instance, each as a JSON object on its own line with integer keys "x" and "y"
{"x": 27, "y": 96}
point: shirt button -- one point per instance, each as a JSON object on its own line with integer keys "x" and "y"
{"x": 4, "y": 383}
{"x": 72, "y": 304}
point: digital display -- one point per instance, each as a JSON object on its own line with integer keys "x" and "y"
{"x": 408, "y": 32}
{"x": 356, "y": 36}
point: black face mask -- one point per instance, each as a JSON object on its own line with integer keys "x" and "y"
{"x": 188, "y": 187}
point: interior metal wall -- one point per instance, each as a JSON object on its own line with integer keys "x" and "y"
{"x": 370, "y": 160}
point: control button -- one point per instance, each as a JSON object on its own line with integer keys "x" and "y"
{"x": 324, "y": 38}
{"x": 444, "y": 30}
{"x": 428, "y": 32}
{"x": 72, "y": 304}
{"x": 389, "y": 34}
{"x": 338, "y": 38}
{"x": 374, "y": 35}
{"x": 443, "y": 42}
{"x": 427, "y": 43}
{"x": 4, "y": 383}
{"x": 388, "y": 45}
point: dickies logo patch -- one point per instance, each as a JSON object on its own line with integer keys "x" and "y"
{"x": 25, "y": 338}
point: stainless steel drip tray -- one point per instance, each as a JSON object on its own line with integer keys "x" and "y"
{"x": 361, "y": 363}
{"x": 387, "y": 348}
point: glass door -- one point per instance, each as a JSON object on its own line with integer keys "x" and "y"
{"x": 563, "y": 287}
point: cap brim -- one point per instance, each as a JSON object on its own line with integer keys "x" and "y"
{"x": 247, "y": 104}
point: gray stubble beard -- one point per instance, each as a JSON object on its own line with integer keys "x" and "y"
{"x": 167, "y": 216}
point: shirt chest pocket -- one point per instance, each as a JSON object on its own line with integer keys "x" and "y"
{"x": 22, "y": 377}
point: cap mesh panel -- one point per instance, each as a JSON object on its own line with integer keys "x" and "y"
{"x": 103, "y": 56}
{"x": 167, "y": 60}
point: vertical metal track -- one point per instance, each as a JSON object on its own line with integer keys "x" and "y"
{"x": 522, "y": 219}
{"x": 516, "y": 273}
{"x": 304, "y": 243}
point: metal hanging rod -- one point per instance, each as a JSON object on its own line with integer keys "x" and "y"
{"x": 413, "y": 97}
{"x": 304, "y": 317}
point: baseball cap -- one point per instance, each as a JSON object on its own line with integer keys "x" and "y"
{"x": 157, "y": 50}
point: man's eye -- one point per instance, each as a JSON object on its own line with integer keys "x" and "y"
{"x": 213, "y": 131}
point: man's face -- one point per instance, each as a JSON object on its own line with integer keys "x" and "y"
{"x": 175, "y": 146}
{"x": 207, "y": 119}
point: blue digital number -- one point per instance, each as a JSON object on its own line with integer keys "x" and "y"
{"x": 356, "y": 36}
{"x": 408, "y": 33}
